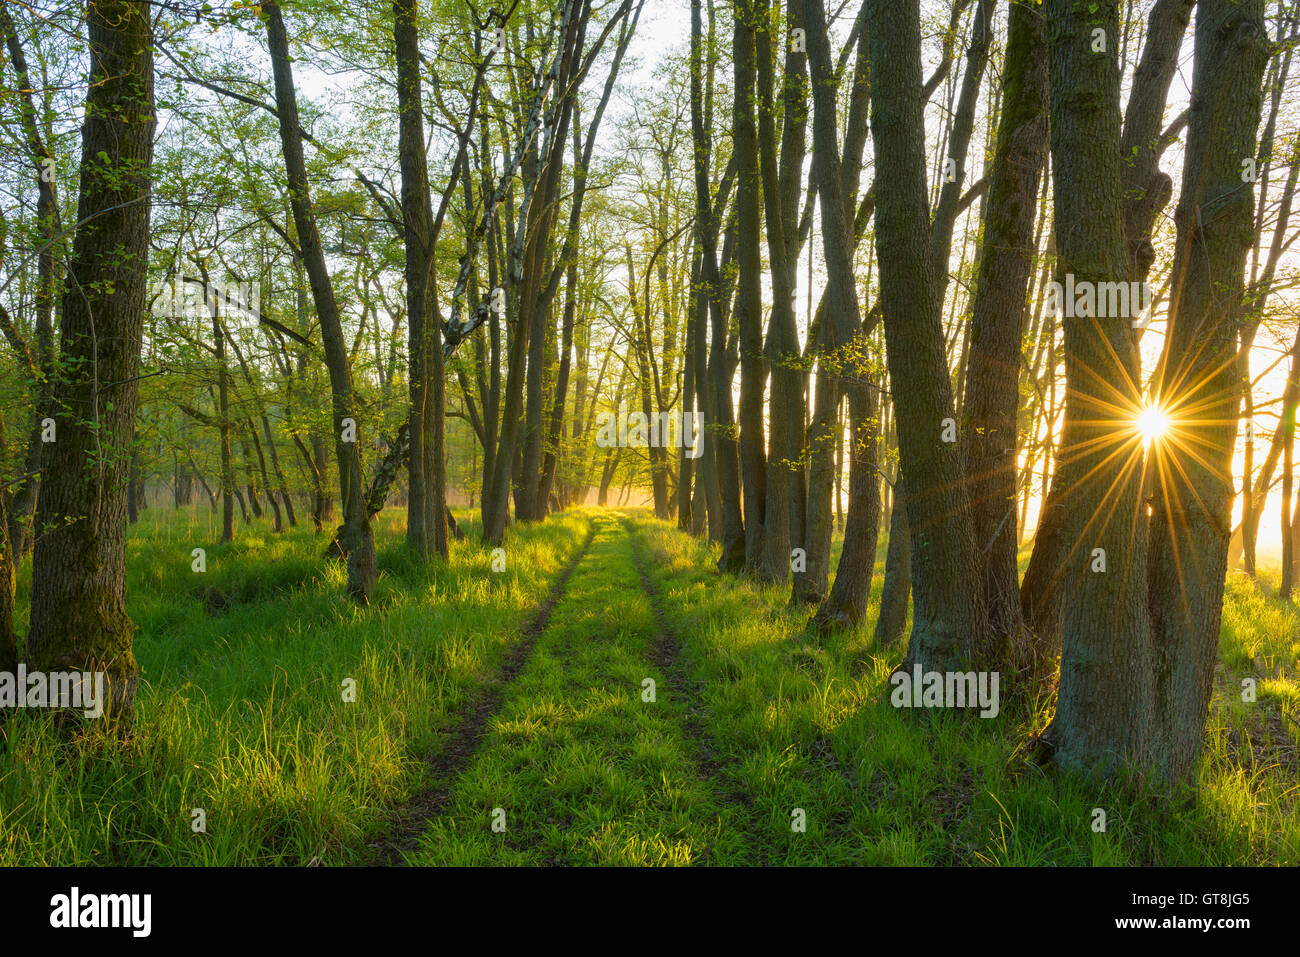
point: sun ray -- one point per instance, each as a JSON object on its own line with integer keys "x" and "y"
{"x": 1152, "y": 423}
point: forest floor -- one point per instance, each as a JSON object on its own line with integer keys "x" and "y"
{"x": 594, "y": 693}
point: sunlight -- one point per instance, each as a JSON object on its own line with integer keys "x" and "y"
{"x": 1152, "y": 423}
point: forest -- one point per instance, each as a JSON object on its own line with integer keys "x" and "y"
{"x": 649, "y": 432}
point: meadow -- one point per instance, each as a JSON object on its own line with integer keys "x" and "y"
{"x": 658, "y": 713}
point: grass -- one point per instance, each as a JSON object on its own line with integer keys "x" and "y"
{"x": 582, "y": 769}
{"x": 760, "y": 746}
{"x": 241, "y": 711}
{"x": 808, "y": 725}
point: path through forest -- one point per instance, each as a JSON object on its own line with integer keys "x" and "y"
{"x": 643, "y": 715}
{"x": 588, "y": 747}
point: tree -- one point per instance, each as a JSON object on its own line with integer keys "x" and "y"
{"x": 78, "y": 615}
{"x": 720, "y": 422}
{"x": 948, "y": 618}
{"x": 1191, "y": 511}
{"x": 1144, "y": 588}
{"x": 426, "y": 523}
{"x": 1147, "y": 192}
{"x": 843, "y": 364}
{"x": 748, "y": 307}
{"x": 24, "y": 495}
{"x": 998, "y": 315}
{"x": 356, "y": 536}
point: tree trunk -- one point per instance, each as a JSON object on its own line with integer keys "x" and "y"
{"x": 897, "y": 588}
{"x": 266, "y": 477}
{"x": 358, "y": 537}
{"x": 992, "y": 399}
{"x": 1146, "y": 193}
{"x": 783, "y": 508}
{"x": 22, "y": 507}
{"x": 688, "y": 479}
{"x": 706, "y": 233}
{"x": 1191, "y": 516}
{"x": 8, "y": 581}
{"x": 949, "y": 621}
{"x": 555, "y": 432}
{"x": 1104, "y": 709}
{"x": 1264, "y": 481}
{"x": 749, "y": 296}
{"x": 426, "y": 522}
{"x": 285, "y": 498}
{"x": 1287, "y": 426}
{"x": 223, "y": 411}
{"x": 78, "y": 616}
{"x": 727, "y": 460}
{"x": 847, "y": 602}
{"x": 843, "y": 364}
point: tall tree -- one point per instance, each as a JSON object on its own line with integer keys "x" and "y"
{"x": 78, "y": 616}
{"x": 1144, "y": 588}
{"x": 844, "y": 364}
{"x": 992, "y": 400}
{"x": 749, "y": 298}
{"x": 426, "y": 521}
{"x": 1104, "y": 709}
{"x": 949, "y": 621}
{"x": 1191, "y": 511}
{"x": 356, "y": 536}
{"x": 720, "y": 423}
{"x": 783, "y": 516}
{"x": 1147, "y": 192}
{"x": 25, "y": 493}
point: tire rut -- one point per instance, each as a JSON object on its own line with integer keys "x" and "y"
{"x": 442, "y": 769}
{"x": 666, "y": 655}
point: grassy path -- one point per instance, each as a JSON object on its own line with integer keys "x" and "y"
{"x": 471, "y": 721}
{"x": 669, "y": 655}
{"x": 594, "y": 757}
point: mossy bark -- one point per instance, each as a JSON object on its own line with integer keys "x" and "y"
{"x": 949, "y": 620}
{"x": 78, "y": 618}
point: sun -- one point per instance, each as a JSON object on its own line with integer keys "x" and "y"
{"x": 1152, "y": 423}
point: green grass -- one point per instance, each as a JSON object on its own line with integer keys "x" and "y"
{"x": 583, "y": 770}
{"x": 809, "y": 725}
{"x": 754, "y": 725}
{"x": 241, "y": 712}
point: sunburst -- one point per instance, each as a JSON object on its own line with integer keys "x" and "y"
{"x": 1152, "y": 423}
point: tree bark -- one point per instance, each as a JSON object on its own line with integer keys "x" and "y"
{"x": 78, "y": 616}
{"x": 8, "y": 582}
{"x": 1191, "y": 515}
{"x": 895, "y": 592}
{"x": 1104, "y": 711}
{"x": 783, "y": 508}
{"x": 22, "y": 508}
{"x": 1147, "y": 192}
{"x": 843, "y": 365}
{"x": 948, "y": 622}
{"x": 426, "y": 521}
{"x": 358, "y": 537}
{"x": 992, "y": 397}
{"x": 722, "y": 423}
{"x": 749, "y": 297}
